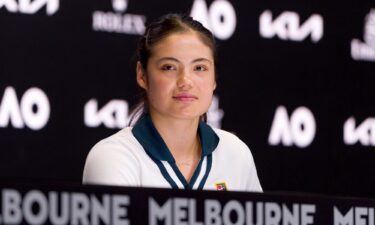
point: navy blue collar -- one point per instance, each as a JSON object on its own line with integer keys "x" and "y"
{"x": 147, "y": 135}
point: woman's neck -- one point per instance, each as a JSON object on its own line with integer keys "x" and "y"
{"x": 180, "y": 136}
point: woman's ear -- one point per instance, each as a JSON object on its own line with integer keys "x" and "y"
{"x": 141, "y": 77}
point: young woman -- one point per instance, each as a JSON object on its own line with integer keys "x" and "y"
{"x": 170, "y": 145}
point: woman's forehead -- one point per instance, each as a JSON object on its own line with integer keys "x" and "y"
{"x": 187, "y": 44}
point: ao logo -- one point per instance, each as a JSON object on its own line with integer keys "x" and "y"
{"x": 113, "y": 115}
{"x": 287, "y": 26}
{"x": 364, "y": 133}
{"x": 369, "y": 34}
{"x": 33, "y": 111}
{"x": 300, "y": 129}
{"x": 220, "y": 18}
{"x": 365, "y": 50}
{"x": 30, "y": 7}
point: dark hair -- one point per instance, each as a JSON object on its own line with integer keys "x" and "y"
{"x": 156, "y": 32}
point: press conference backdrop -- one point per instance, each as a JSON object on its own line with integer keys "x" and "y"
{"x": 295, "y": 82}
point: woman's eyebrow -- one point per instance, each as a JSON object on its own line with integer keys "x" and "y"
{"x": 178, "y": 61}
{"x": 201, "y": 59}
{"x": 168, "y": 58}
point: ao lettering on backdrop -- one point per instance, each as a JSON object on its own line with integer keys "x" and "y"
{"x": 365, "y": 50}
{"x": 299, "y": 129}
{"x": 117, "y": 21}
{"x": 220, "y": 17}
{"x": 29, "y": 6}
{"x": 364, "y": 133}
{"x": 33, "y": 110}
{"x": 287, "y": 26}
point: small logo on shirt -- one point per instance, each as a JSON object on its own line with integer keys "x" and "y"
{"x": 221, "y": 186}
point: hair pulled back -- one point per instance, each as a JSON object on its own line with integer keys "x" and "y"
{"x": 156, "y": 32}
{"x": 167, "y": 25}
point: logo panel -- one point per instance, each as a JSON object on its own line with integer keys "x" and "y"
{"x": 117, "y": 21}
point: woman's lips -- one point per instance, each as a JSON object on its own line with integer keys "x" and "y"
{"x": 185, "y": 97}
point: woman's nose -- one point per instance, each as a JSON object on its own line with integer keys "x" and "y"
{"x": 184, "y": 80}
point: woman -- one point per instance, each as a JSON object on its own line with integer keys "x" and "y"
{"x": 171, "y": 145}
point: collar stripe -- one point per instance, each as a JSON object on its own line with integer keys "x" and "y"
{"x": 209, "y": 165}
{"x": 173, "y": 174}
{"x": 165, "y": 173}
{"x": 201, "y": 173}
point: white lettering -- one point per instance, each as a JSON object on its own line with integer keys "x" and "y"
{"x": 220, "y": 18}
{"x": 287, "y": 26}
{"x": 119, "y": 211}
{"x": 113, "y": 115}
{"x": 179, "y": 211}
{"x": 212, "y": 209}
{"x": 192, "y": 213}
{"x": 118, "y": 23}
{"x": 290, "y": 218}
{"x": 31, "y": 7}
{"x": 300, "y": 130}
{"x": 233, "y": 206}
{"x": 11, "y": 110}
{"x": 307, "y": 212}
{"x": 10, "y": 5}
{"x": 35, "y": 97}
{"x": 157, "y": 213}
{"x": 250, "y": 215}
{"x": 364, "y": 133}
{"x": 79, "y": 208}
{"x": 272, "y": 214}
{"x": 340, "y": 219}
{"x": 11, "y": 202}
{"x": 54, "y": 208}
{"x": 37, "y": 198}
{"x": 100, "y": 210}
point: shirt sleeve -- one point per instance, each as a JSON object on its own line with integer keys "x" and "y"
{"x": 109, "y": 163}
{"x": 252, "y": 180}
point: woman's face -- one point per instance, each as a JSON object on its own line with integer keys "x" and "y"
{"x": 180, "y": 77}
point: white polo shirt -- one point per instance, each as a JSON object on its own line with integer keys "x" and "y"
{"x": 138, "y": 156}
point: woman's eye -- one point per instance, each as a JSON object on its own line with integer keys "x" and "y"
{"x": 201, "y": 68}
{"x": 168, "y": 67}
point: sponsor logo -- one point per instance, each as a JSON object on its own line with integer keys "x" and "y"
{"x": 364, "y": 133}
{"x": 32, "y": 111}
{"x": 299, "y": 129}
{"x": 287, "y": 26}
{"x": 29, "y": 6}
{"x": 365, "y": 50}
{"x": 221, "y": 186}
{"x": 118, "y": 21}
{"x": 215, "y": 114}
{"x": 114, "y": 115}
{"x": 220, "y": 18}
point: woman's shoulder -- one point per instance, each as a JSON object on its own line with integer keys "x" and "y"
{"x": 111, "y": 156}
{"x": 120, "y": 145}
{"x": 229, "y": 138}
{"x": 121, "y": 139}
